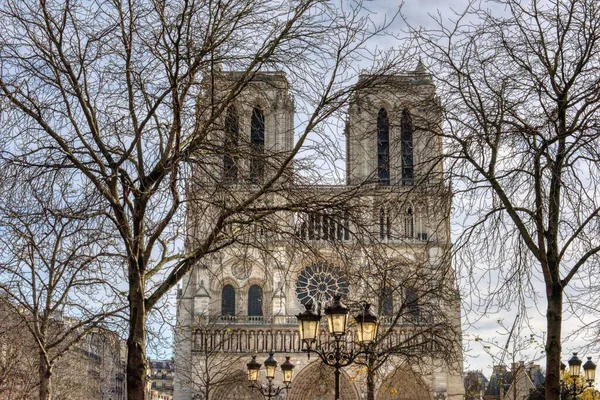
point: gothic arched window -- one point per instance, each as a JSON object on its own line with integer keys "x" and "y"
{"x": 255, "y": 299}
{"x": 257, "y": 142}
{"x": 385, "y": 224}
{"x": 409, "y": 223}
{"x": 387, "y": 301}
{"x": 228, "y": 300}
{"x": 383, "y": 147}
{"x": 406, "y": 147}
{"x": 230, "y": 144}
{"x": 412, "y": 304}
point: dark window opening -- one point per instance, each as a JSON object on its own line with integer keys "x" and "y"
{"x": 228, "y": 300}
{"x": 387, "y": 302}
{"x": 412, "y": 304}
{"x": 406, "y": 139}
{"x": 230, "y": 146}
{"x": 409, "y": 224}
{"x": 255, "y": 298}
{"x": 383, "y": 147}
{"x": 257, "y": 142}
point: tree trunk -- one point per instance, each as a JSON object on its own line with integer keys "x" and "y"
{"x": 136, "y": 342}
{"x": 553, "y": 343}
{"x": 45, "y": 376}
{"x": 370, "y": 378}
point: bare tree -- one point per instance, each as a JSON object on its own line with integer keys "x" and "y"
{"x": 520, "y": 90}
{"x": 50, "y": 269}
{"x": 17, "y": 357}
{"x": 119, "y": 93}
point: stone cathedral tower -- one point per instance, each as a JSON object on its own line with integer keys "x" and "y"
{"x": 387, "y": 244}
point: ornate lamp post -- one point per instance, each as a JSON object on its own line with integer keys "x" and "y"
{"x": 337, "y": 354}
{"x": 268, "y": 390}
{"x": 589, "y": 369}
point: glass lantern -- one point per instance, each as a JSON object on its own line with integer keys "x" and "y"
{"x": 308, "y": 323}
{"x": 253, "y": 369}
{"x": 337, "y": 317}
{"x": 589, "y": 369}
{"x": 367, "y": 324}
{"x": 574, "y": 365}
{"x": 270, "y": 367}
{"x": 287, "y": 369}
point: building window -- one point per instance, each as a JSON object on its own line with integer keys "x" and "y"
{"x": 409, "y": 223}
{"x": 228, "y": 300}
{"x": 383, "y": 147}
{"x": 385, "y": 224}
{"x": 406, "y": 139}
{"x": 412, "y": 304}
{"x": 257, "y": 142}
{"x": 230, "y": 146}
{"x": 318, "y": 283}
{"x": 255, "y": 299}
{"x": 387, "y": 301}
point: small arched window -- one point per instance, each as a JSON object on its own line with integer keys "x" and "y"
{"x": 387, "y": 301}
{"x": 383, "y": 147}
{"x": 230, "y": 145}
{"x": 385, "y": 224}
{"x": 257, "y": 142}
{"x": 255, "y": 300}
{"x": 409, "y": 223}
{"x": 406, "y": 144}
{"x": 228, "y": 300}
{"x": 412, "y": 304}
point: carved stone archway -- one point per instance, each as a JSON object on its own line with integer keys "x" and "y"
{"x": 403, "y": 384}
{"x": 316, "y": 382}
{"x": 237, "y": 389}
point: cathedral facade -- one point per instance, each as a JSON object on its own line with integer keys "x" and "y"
{"x": 383, "y": 237}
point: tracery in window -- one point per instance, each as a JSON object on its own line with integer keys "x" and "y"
{"x": 406, "y": 147}
{"x": 230, "y": 146}
{"x": 383, "y": 147}
{"x": 318, "y": 283}
{"x": 257, "y": 142}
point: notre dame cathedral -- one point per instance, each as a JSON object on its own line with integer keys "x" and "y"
{"x": 382, "y": 237}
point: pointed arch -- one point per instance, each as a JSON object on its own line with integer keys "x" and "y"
{"x": 255, "y": 301}
{"x": 387, "y": 301}
{"x": 409, "y": 222}
{"x": 228, "y": 300}
{"x": 316, "y": 381}
{"x": 412, "y": 304}
{"x": 403, "y": 384}
{"x": 230, "y": 145}
{"x": 257, "y": 143}
{"x": 406, "y": 148}
{"x": 383, "y": 147}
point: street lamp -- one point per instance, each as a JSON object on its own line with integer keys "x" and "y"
{"x": 268, "y": 390}
{"x": 334, "y": 354}
{"x": 589, "y": 369}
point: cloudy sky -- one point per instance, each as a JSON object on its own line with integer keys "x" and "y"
{"x": 488, "y": 334}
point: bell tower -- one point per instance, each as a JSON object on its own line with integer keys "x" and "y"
{"x": 391, "y": 135}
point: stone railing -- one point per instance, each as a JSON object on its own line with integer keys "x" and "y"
{"x": 285, "y": 337}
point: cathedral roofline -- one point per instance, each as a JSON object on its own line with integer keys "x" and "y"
{"x": 417, "y": 77}
{"x": 260, "y": 76}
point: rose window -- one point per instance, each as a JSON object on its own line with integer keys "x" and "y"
{"x": 319, "y": 283}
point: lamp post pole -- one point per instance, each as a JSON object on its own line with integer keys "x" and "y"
{"x": 337, "y": 354}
